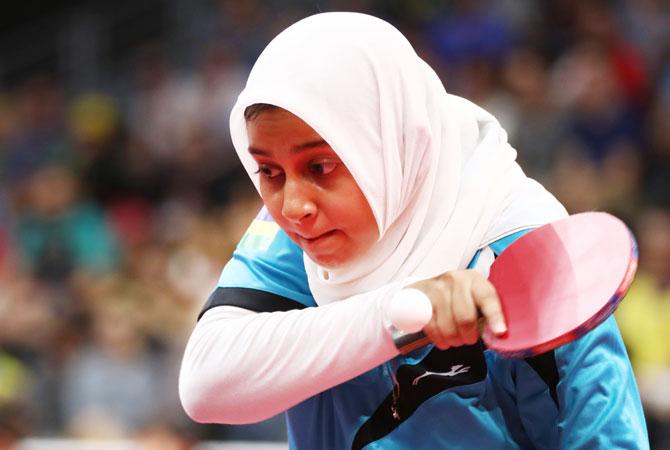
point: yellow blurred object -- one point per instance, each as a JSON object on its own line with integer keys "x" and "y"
{"x": 644, "y": 319}
{"x": 14, "y": 378}
{"x": 93, "y": 118}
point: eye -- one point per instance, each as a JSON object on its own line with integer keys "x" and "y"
{"x": 268, "y": 171}
{"x": 322, "y": 166}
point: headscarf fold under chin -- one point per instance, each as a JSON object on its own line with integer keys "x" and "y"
{"x": 437, "y": 170}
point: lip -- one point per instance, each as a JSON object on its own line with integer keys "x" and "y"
{"x": 313, "y": 240}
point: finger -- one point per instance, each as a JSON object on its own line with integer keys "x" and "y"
{"x": 439, "y": 294}
{"x": 445, "y": 322}
{"x": 431, "y": 330}
{"x": 464, "y": 311}
{"x": 488, "y": 303}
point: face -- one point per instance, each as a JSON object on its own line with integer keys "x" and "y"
{"x": 308, "y": 190}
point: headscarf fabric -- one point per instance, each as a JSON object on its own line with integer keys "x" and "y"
{"x": 437, "y": 170}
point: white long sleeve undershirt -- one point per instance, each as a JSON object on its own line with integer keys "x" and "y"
{"x": 243, "y": 367}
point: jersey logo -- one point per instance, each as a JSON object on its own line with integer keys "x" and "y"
{"x": 437, "y": 372}
{"x": 260, "y": 234}
{"x": 455, "y": 370}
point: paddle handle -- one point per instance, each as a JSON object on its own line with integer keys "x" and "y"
{"x": 409, "y": 311}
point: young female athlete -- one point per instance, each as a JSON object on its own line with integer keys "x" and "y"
{"x": 374, "y": 179}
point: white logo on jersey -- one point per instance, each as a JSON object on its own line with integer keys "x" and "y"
{"x": 455, "y": 370}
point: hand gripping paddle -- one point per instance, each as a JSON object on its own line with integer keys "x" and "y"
{"x": 555, "y": 284}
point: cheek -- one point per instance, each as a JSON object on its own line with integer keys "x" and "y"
{"x": 273, "y": 201}
{"x": 356, "y": 213}
{"x": 369, "y": 232}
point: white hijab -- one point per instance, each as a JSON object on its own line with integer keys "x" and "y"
{"x": 437, "y": 171}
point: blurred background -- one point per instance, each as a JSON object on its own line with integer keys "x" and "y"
{"x": 121, "y": 198}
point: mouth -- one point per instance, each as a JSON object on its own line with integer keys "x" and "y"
{"x": 314, "y": 243}
{"x": 315, "y": 237}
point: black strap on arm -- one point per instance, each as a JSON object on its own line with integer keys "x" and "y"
{"x": 545, "y": 366}
{"x": 251, "y": 299}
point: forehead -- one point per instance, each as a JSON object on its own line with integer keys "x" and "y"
{"x": 276, "y": 118}
{"x": 278, "y": 126}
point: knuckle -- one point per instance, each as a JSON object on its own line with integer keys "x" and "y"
{"x": 446, "y": 275}
{"x": 432, "y": 288}
{"x": 467, "y": 322}
{"x": 470, "y": 338}
{"x": 484, "y": 288}
{"x": 450, "y": 335}
{"x": 450, "y": 278}
{"x": 442, "y": 345}
{"x": 472, "y": 273}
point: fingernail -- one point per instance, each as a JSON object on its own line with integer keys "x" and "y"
{"x": 499, "y": 328}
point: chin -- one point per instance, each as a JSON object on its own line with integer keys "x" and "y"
{"x": 328, "y": 261}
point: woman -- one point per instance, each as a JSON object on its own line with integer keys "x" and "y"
{"x": 375, "y": 179}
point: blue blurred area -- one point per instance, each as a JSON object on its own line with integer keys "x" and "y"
{"x": 121, "y": 197}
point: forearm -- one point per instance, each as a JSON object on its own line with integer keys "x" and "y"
{"x": 243, "y": 367}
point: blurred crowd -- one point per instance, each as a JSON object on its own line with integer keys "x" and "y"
{"x": 120, "y": 206}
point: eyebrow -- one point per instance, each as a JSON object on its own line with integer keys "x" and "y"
{"x": 296, "y": 148}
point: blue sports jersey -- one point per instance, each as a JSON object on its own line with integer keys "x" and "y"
{"x": 581, "y": 395}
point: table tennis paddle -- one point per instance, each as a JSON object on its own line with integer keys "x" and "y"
{"x": 556, "y": 283}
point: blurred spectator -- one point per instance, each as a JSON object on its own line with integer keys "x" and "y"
{"x": 541, "y": 125}
{"x": 483, "y": 85}
{"x": 159, "y": 105}
{"x": 597, "y": 25}
{"x": 37, "y": 136}
{"x": 7, "y": 124}
{"x": 663, "y": 86}
{"x": 118, "y": 173}
{"x": 206, "y": 163}
{"x": 29, "y": 322}
{"x": 603, "y": 140}
{"x": 219, "y": 78}
{"x": 109, "y": 387}
{"x": 657, "y": 173}
{"x": 39, "y": 326}
{"x": 468, "y": 31}
{"x": 472, "y": 44}
{"x": 181, "y": 122}
{"x": 246, "y": 26}
{"x": 648, "y": 26}
{"x": 58, "y": 234}
{"x": 575, "y": 180}
{"x": 644, "y": 318}
{"x": 15, "y": 424}
{"x": 7, "y": 245}
{"x": 93, "y": 123}
{"x": 601, "y": 122}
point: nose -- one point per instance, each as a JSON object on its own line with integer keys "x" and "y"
{"x": 298, "y": 202}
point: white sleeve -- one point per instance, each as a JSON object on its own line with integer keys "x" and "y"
{"x": 244, "y": 367}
